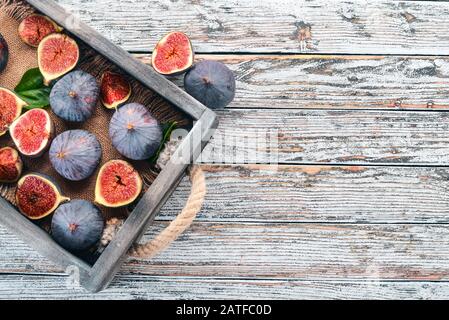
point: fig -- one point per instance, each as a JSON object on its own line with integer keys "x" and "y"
{"x": 211, "y": 83}
{"x": 75, "y": 154}
{"x": 57, "y": 55}
{"x": 77, "y": 225}
{"x": 134, "y": 132}
{"x": 32, "y": 132}
{"x": 36, "y": 27}
{"x": 75, "y": 96}
{"x": 10, "y": 165}
{"x": 173, "y": 54}
{"x": 118, "y": 184}
{"x": 4, "y": 53}
{"x": 115, "y": 90}
{"x": 10, "y": 109}
{"x": 37, "y": 196}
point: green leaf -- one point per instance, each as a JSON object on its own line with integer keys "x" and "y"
{"x": 31, "y": 80}
{"x": 38, "y": 98}
{"x": 32, "y": 90}
{"x": 167, "y": 130}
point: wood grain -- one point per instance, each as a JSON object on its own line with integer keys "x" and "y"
{"x": 357, "y": 27}
{"x": 349, "y": 194}
{"x": 335, "y": 82}
{"x": 405, "y": 252}
{"x": 322, "y": 136}
{"x": 144, "y": 287}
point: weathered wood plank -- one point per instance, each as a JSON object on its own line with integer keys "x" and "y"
{"x": 138, "y": 287}
{"x": 336, "y": 82}
{"x": 321, "y": 136}
{"x": 329, "y": 251}
{"x": 352, "y": 194}
{"x": 362, "y": 27}
{"x": 280, "y": 250}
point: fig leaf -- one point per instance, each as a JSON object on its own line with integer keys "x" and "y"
{"x": 32, "y": 79}
{"x": 167, "y": 129}
{"x": 32, "y": 90}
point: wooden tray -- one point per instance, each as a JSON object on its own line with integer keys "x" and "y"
{"x": 96, "y": 277}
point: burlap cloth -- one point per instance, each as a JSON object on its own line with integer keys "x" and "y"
{"x": 23, "y": 57}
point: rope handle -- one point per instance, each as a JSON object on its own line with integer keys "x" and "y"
{"x": 180, "y": 223}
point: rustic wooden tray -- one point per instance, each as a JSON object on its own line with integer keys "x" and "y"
{"x": 96, "y": 277}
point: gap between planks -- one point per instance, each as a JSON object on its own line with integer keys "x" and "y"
{"x": 130, "y": 277}
{"x": 58, "y": 275}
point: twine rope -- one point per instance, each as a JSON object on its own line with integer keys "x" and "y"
{"x": 180, "y": 224}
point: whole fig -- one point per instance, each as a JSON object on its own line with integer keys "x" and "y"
{"x": 75, "y": 96}
{"x": 4, "y": 53}
{"x": 77, "y": 225}
{"x": 134, "y": 132}
{"x": 211, "y": 83}
{"x": 75, "y": 154}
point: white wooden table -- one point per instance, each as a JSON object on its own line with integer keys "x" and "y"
{"x": 357, "y": 93}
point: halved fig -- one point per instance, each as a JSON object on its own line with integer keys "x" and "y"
{"x": 10, "y": 109}
{"x": 57, "y": 55}
{"x": 118, "y": 184}
{"x": 10, "y": 165}
{"x": 173, "y": 54}
{"x": 32, "y": 132}
{"x": 36, "y": 27}
{"x": 37, "y": 196}
{"x": 115, "y": 90}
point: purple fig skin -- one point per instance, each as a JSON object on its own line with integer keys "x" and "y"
{"x": 134, "y": 132}
{"x": 75, "y": 96}
{"x": 4, "y": 53}
{"x": 211, "y": 83}
{"x": 75, "y": 154}
{"x": 77, "y": 225}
